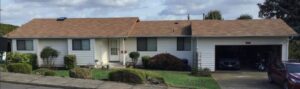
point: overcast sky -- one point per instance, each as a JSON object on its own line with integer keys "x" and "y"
{"x": 18, "y": 12}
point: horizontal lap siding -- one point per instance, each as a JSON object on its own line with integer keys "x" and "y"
{"x": 206, "y": 47}
{"x": 164, "y": 45}
{"x": 58, "y": 44}
{"x": 84, "y": 57}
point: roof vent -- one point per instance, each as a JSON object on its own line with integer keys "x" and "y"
{"x": 61, "y": 18}
{"x": 176, "y": 23}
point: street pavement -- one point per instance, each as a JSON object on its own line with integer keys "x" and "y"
{"x": 23, "y": 86}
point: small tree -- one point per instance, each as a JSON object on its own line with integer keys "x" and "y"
{"x": 245, "y": 17}
{"x": 48, "y": 54}
{"x": 134, "y": 56}
{"x": 214, "y": 15}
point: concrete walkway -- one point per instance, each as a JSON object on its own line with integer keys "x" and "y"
{"x": 243, "y": 80}
{"x": 71, "y": 83}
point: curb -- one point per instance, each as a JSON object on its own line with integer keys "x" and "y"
{"x": 46, "y": 85}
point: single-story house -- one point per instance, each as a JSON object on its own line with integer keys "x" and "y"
{"x": 99, "y": 41}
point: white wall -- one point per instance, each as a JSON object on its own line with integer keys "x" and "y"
{"x": 101, "y": 51}
{"x": 60, "y": 45}
{"x": 206, "y": 47}
{"x": 164, "y": 45}
{"x": 84, "y": 57}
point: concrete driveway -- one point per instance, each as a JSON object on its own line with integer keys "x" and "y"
{"x": 243, "y": 80}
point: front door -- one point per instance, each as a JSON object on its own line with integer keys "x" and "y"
{"x": 114, "y": 50}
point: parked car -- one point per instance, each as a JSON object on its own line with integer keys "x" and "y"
{"x": 286, "y": 74}
{"x": 229, "y": 63}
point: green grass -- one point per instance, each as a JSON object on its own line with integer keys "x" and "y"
{"x": 172, "y": 78}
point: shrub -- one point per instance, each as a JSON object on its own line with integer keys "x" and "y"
{"x": 3, "y": 68}
{"x": 45, "y": 72}
{"x": 70, "y": 61}
{"x": 15, "y": 57}
{"x": 19, "y": 68}
{"x": 33, "y": 60}
{"x": 127, "y": 75}
{"x": 145, "y": 60}
{"x": 201, "y": 72}
{"x": 47, "y": 55}
{"x": 134, "y": 56}
{"x": 166, "y": 61}
{"x": 80, "y": 73}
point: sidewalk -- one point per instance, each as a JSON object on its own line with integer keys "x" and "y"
{"x": 71, "y": 83}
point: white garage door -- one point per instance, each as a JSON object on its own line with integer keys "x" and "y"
{"x": 58, "y": 44}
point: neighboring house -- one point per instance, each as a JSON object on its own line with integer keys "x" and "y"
{"x": 112, "y": 39}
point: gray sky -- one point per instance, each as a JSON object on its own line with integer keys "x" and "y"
{"x": 18, "y": 12}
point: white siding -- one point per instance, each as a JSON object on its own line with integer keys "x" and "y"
{"x": 206, "y": 47}
{"x": 84, "y": 57}
{"x": 58, "y": 44}
{"x": 101, "y": 51}
{"x": 164, "y": 45}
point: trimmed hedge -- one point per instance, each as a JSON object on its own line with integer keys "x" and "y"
{"x": 70, "y": 61}
{"x": 77, "y": 72}
{"x": 45, "y": 72}
{"x": 19, "y": 68}
{"x": 128, "y": 76}
{"x": 15, "y": 57}
{"x": 167, "y": 61}
{"x": 145, "y": 60}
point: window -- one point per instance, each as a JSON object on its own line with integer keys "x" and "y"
{"x": 26, "y": 45}
{"x": 81, "y": 44}
{"x": 183, "y": 44}
{"x": 146, "y": 44}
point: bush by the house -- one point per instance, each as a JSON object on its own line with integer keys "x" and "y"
{"x": 3, "y": 68}
{"x": 70, "y": 61}
{"x": 166, "y": 61}
{"x": 45, "y": 72}
{"x": 128, "y": 76}
{"x": 33, "y": 60}
{"x": 15, "y": 57}
{"x": 48, "y": 54}
{"x": 145, "y": 60}
{"x": 134, "y": 56}
{"x": 205, "y": 72}
{"x": 77, "y": 72}
{"x": 19, "y": 68}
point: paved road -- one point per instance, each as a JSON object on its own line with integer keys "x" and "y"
{"x": 22, "y": 86}
{"x": 243, "y": 80}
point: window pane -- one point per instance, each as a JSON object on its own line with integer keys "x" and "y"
{"x": 85, "y": 44}
{"x": 76, "y": 44}
{"x": 114, "y": 51}
{"x": 141, "y": 44}
{"x": 180, "y": 44}
{"x": 152, "y": 44}
{"x": 29, "y": 45}
{"x": 20, "y": 44}
{"x": 187, "y": 44}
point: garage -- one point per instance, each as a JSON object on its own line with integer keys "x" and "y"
{"x": 245, "y": 57}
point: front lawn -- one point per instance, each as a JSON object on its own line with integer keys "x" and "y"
{"x": 172, "y": 78}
